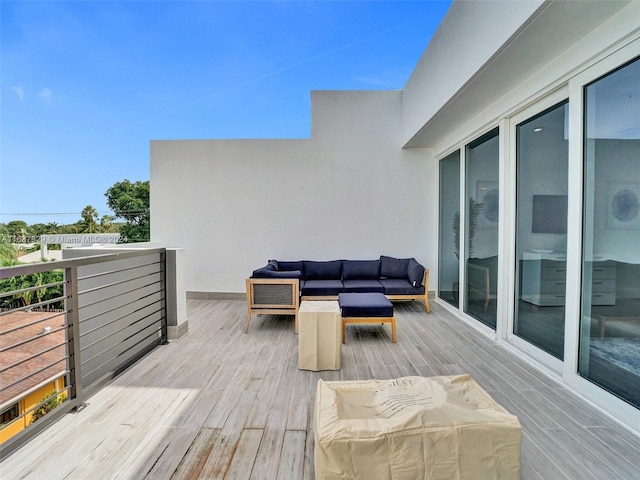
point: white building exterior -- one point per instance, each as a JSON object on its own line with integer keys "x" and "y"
{"x": 366, "y": 182}
{"x": 350, "y": 191}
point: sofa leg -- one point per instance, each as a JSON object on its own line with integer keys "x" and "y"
{"x": 246, "y": 325}
{"x": 426, "y": 304}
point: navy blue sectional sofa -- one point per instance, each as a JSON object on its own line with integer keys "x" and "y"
{"x": 397, "y": 278}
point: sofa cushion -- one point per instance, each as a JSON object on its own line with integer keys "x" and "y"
{"x": 331, "y": 270}
{"x": 321, "y": 287}
{"x": 363, "y": 285}
{"x": 274, "y": 264}
{"x": 360, "y": 269}
{"x": 393, "y": 267}
{"x": 398, "y": 286}
{"x": 287, "y": 266}
{"x": 365, "y": 305}
{"x": 415, "y": 273}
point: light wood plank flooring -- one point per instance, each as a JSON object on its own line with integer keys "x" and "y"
{"x": 221, "y": 404}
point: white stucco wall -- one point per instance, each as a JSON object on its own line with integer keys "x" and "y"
{"x": 235, "y": 203}
{"x": 349, "y": 191}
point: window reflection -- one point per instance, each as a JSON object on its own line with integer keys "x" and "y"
{"x": 449, "y": 242}
{"x": 481, "y": 239}
{"x": 610, "y": 321}
{"x": 541, "y": 238}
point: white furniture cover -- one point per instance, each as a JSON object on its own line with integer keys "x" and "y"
{"x": 413, "y": 428}
{"x": 319, "y": 335}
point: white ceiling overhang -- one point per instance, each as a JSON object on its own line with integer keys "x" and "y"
{"x": 553, "y": 28}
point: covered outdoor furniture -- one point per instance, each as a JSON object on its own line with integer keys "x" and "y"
{"x": 319, "y": 327}
{"x": 413, "y": 427}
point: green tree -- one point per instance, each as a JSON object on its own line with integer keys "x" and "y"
{"x": 8, "y": 253}
{"x": 72, "y": 228}
{"x": 40, "y": 279}
{"x": 89, "y": 216}
{"x": 17, "y": 228}
{"x": 130, "y": 201}
{"x": 37, "y": 229}
{"x": 106, "y": 223}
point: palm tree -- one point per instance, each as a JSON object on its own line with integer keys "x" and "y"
{"x": 106, "y": 223}
{"x": 89, "y": 216}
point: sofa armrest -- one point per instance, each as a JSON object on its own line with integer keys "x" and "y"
{"x": 273, "y": 292}
{"x": 415, "y": 273}
{"x": 277, "y": 296}
{"x": 270, "y": 273}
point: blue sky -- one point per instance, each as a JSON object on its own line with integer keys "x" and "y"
{"x": 86, "y": 85}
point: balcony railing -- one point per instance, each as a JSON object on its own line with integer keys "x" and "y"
{"x": 106, "y": 312}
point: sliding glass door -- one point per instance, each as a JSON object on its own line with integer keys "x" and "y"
{"x": 610, "y": 318}
{"x": 481, "y": 233}
{"x": 449, "y": 229}
{"x": 541, "y": 229}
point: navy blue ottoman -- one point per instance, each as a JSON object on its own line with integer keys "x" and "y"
{"x": 366, "y": 308}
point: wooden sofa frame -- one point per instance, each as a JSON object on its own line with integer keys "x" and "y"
{"x": 273, "y": 296}
{"x": 479, "y": 281}
{"x": 422, "y": 297}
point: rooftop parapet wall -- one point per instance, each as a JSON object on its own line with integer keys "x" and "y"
{"x": 346, "y": 192}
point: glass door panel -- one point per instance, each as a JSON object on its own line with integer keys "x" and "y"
{"x": 449, "y": 229}
{"x": 610, "y": 318}
{"x": 481, "y": 235}
{"x": 541, "y": 229}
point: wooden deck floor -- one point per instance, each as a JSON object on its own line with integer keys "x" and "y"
{"x": 222, "y": 404}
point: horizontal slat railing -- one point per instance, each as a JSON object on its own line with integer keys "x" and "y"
{"x": 113, "y": 313}
{"x": 120, "y": 308}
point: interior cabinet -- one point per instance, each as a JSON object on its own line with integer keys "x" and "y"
{"x": 544, "y": 280}
{"x": 603, "y": 283}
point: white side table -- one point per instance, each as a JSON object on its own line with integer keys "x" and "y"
{"x": 319, "y": 335}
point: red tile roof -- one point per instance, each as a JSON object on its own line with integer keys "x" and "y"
{"x": 36, "y": 341}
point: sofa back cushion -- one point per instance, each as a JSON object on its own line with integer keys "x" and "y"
{"x": 289, "y": 266}
{"x": 360, "y": 269}
{"x": 393, "y": 267}
{"x": 331, "y": 270}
